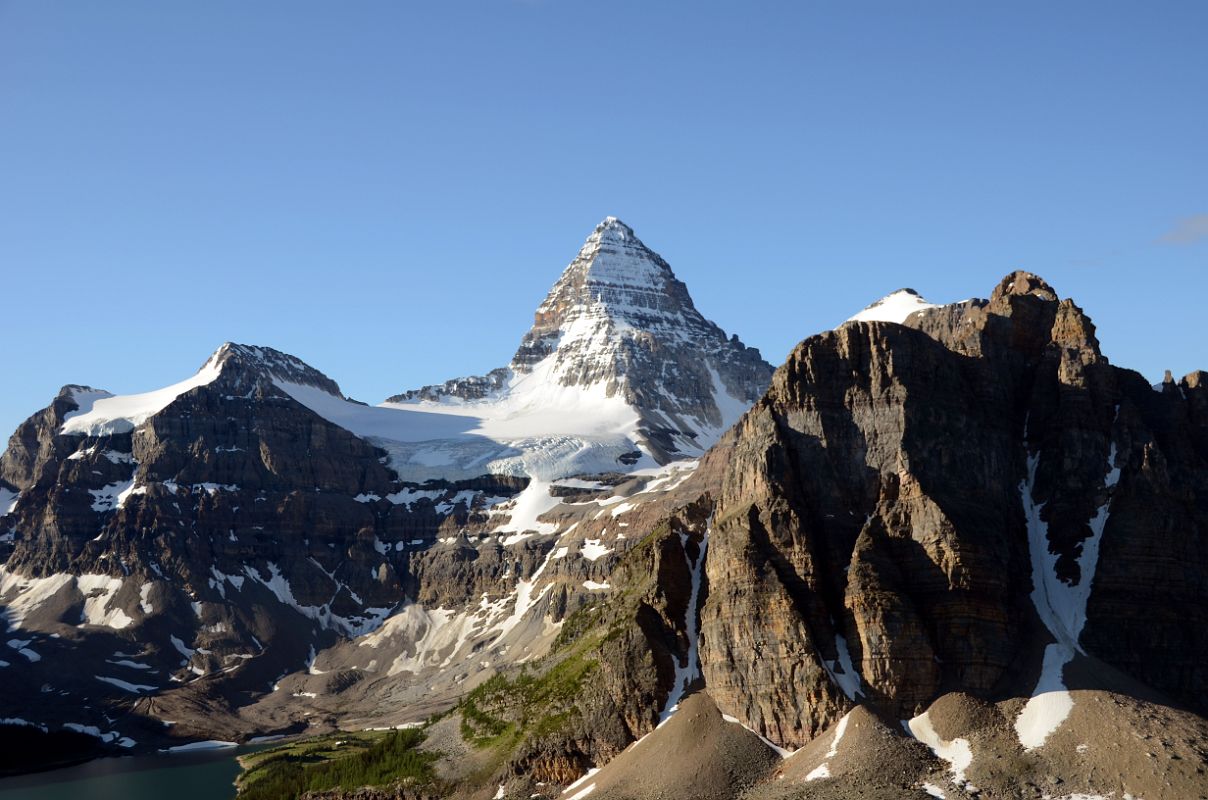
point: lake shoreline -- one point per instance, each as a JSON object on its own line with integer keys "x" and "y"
{"x": 208, "y": 774}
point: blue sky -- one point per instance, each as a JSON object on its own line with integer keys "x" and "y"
{"x": 388, "y": 189}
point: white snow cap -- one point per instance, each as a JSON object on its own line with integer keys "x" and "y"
{"x": 101, "y": 413}
{"x": 617, "y": 277}
{"x": 613, "y": 223}
{"x": 895, "y": 307}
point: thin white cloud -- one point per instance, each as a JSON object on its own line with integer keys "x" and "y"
{"x": 1188, "y": 230}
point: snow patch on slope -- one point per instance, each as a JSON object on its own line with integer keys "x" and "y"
{"x": 370, "y": 619}
{"x": 8, "y": 501}
{"x": 780, "y": 751}
{"x": 1050, "y": 703}
{"x": 958, "y": 752}
{"x": 98, "y": 591}
{"x": 111, "y": 496}
{"x": 22, "y": 596}
{"x": 823, "y": 769}
{"x": 133, "y": 688}
{"x": 435, "y": 638}
{"x": 524, "y": 510}
{"x": 593, "y": 549}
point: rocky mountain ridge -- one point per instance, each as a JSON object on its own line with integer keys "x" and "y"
{"x": 995, "y": 527}
{"x": 221, "y": 552}
{"x": 951, "y": 552}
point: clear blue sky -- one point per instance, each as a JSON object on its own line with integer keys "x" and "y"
{"x": 388, "y": 189}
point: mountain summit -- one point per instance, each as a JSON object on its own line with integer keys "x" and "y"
{"x": 620, "y": 327}
{"x": 893, "y": 307}
{"x": 239, "y": 367}
{"x": 615, "y": 282}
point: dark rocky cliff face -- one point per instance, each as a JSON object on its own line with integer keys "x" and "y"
{"x": 872, "y": 507}
{"x": 220, "y": 543}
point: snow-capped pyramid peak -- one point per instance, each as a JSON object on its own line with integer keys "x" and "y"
{"x": 612, "y": 255}
{"x": 893, "y": 307}
{"x": 615, "y": 284}
{"x": 618, "y": 325}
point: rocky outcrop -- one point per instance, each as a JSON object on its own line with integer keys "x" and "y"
{"x": 475, "y": 387}
{"x": 33, "y": 451}
{"x": 612, "y": 672}
{"x": 873, "y": 499}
